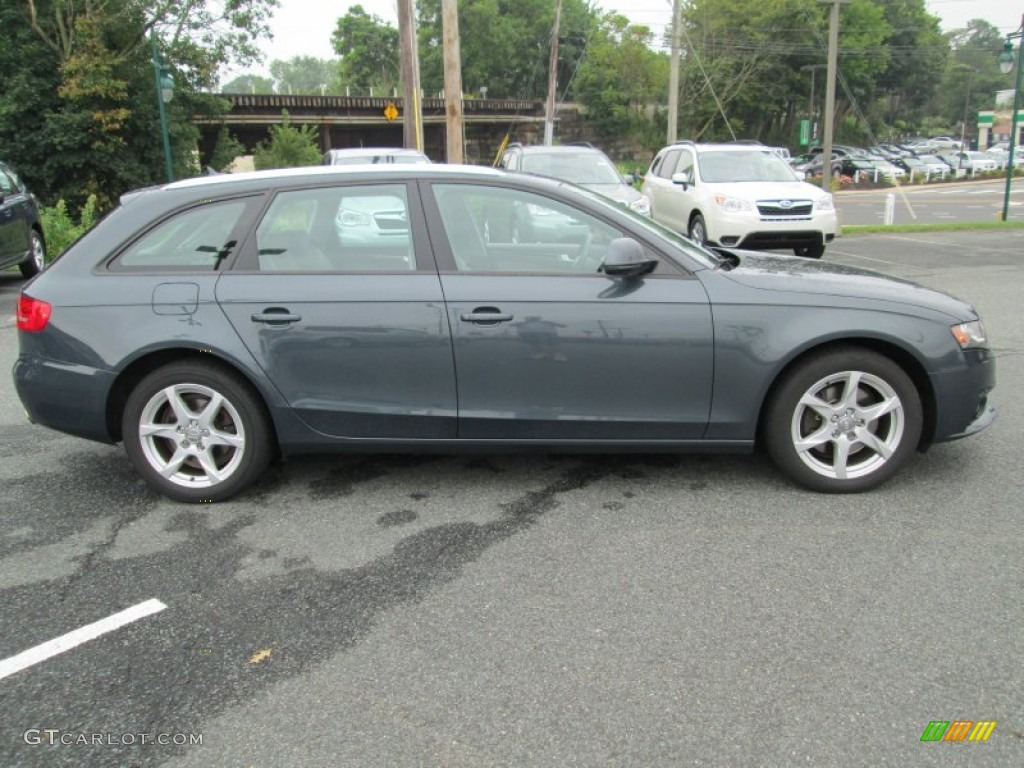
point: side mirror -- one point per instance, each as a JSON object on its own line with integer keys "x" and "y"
{"x": 626, "y": 258}
{"x": 681, "y": 178}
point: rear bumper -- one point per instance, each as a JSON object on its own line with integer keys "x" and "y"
{"x": 63, "y": 396}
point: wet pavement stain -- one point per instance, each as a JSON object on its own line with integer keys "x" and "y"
{"x": 306, "y": 616}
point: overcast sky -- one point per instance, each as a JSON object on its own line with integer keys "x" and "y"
{"x": 304, "y": 27}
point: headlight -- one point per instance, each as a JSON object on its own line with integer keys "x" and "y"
{"x": 349, "y": 218}
{"x": 970, "y": 335}
{"x": 824, "y": 204}
{"x": 641, "y": 205}
{"x": 733, "y": 204}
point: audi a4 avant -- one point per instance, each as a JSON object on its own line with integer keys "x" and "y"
{"x": 213, "y": 324}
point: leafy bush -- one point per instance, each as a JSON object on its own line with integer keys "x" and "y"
{"x": 289, "y": 147}
{"x": 60, "y": 229}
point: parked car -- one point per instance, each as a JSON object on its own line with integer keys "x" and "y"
{"x": 809, "y": 166}
{"x": 374, "y": 156}
{"x": 581, "y": 164}
{"x": 925, "y": 166}
{"x": 978, "y": 162}
{"x": 945, "y": 142}
{"x": 21, "y": 233}
{"x": 888, "y": 170}
{"x": 635, "y": 339}
{"x": 738, "y": 196}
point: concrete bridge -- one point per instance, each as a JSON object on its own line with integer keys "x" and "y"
{"x": 355, "y": 121}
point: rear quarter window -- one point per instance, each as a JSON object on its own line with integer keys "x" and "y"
{"x": 196, "y": 239}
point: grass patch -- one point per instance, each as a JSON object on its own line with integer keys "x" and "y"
{"x": 948, "y": 226}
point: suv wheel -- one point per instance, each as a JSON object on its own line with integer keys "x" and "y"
{"x": 698, "y": 230}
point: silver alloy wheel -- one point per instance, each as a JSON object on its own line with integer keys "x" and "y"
{"x": 38, "y": 252}
{"x": 848, "y": 425}
{"x": 192, "y": 435}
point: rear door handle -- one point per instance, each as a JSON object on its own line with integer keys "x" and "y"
{"x": 485, "y": 316}
{"x": 275, "y": 316}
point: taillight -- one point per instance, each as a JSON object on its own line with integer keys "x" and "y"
{"x": 33, "y": 314}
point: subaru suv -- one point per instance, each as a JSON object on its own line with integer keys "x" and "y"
{"x": 738, "y": 196}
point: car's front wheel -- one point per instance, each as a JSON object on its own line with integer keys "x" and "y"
{"x": 196, "y": 432}
{"x": 843, "y": 421}
{"x": 698, "y": 230}
{"x": 36, "y": 260}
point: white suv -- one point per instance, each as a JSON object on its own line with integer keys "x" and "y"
{"x": 738, "y": 196}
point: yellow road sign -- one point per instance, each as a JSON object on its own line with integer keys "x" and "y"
{"x": 391, "y": 112}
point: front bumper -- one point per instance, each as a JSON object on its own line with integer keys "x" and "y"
{"x": 63, "y": 396}
{"x": 962, "y": 404}
{"x": 753, "y": 231}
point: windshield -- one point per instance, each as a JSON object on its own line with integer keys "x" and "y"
{"x": 739, "y": 166}
{"x": 577, "y": 167}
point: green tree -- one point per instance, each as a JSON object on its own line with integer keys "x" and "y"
{"x": 248, "y": 84}
{"x": 305, "y": 74}
{"x": 744, "y": 63}
{"x": 621, "y": 77}
{"x": 226, "y": 149}
{"x": 368, "y": 49}
{"x": 290, "y": 146}
{"x": 506, "y": 46}
{"x": 970, "y": 78}
{"x": 94, "y": 98}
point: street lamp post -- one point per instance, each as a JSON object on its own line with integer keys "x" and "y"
{"x": 164, "y": 93}
{"x": 1006, "y": 66}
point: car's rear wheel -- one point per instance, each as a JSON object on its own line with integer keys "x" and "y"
{"x": 36, "y": 260}
{"x": 698, "y": 230}
{"x": 815, "y": 251}
{"x": 196, "y": 432}
{"x": 843, "y": 421}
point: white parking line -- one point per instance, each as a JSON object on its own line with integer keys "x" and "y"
{"x": 84, "y": 634}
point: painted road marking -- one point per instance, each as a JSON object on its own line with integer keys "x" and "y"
{"x": 84, "y": 634}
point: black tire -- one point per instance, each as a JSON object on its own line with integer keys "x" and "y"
{"x": 815, "y": 251}
{"x": 205, "y": 456}
{"x": 808, "y": 443}
{"x": 36, "y": 260}
{"x": 698, "y": 230}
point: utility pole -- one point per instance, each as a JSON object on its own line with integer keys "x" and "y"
{"x": 412, "y": 111}
{"x": 452, "y": 80}
{"x": 830, "y": 91}
{"x": 549, "y": 113}
{"x": 673, "y": 76}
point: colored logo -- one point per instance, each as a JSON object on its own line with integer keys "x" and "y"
{"x": 958, "y": 730}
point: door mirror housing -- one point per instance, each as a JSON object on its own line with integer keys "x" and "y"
{"x": 682, "y": 178}
{"x": 626, "y": 258}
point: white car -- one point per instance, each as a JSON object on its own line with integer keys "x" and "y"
{"x": 977, "y": 162}
{"x": 738, "y": 196}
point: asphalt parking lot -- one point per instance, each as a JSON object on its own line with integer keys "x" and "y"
{"x": 528, "y": 610}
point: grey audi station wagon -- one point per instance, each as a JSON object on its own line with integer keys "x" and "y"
{"x": 214, "y": 323}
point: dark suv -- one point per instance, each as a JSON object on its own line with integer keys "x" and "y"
{"x": 21, "y": 234}
{"x": 581, "y": 164}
